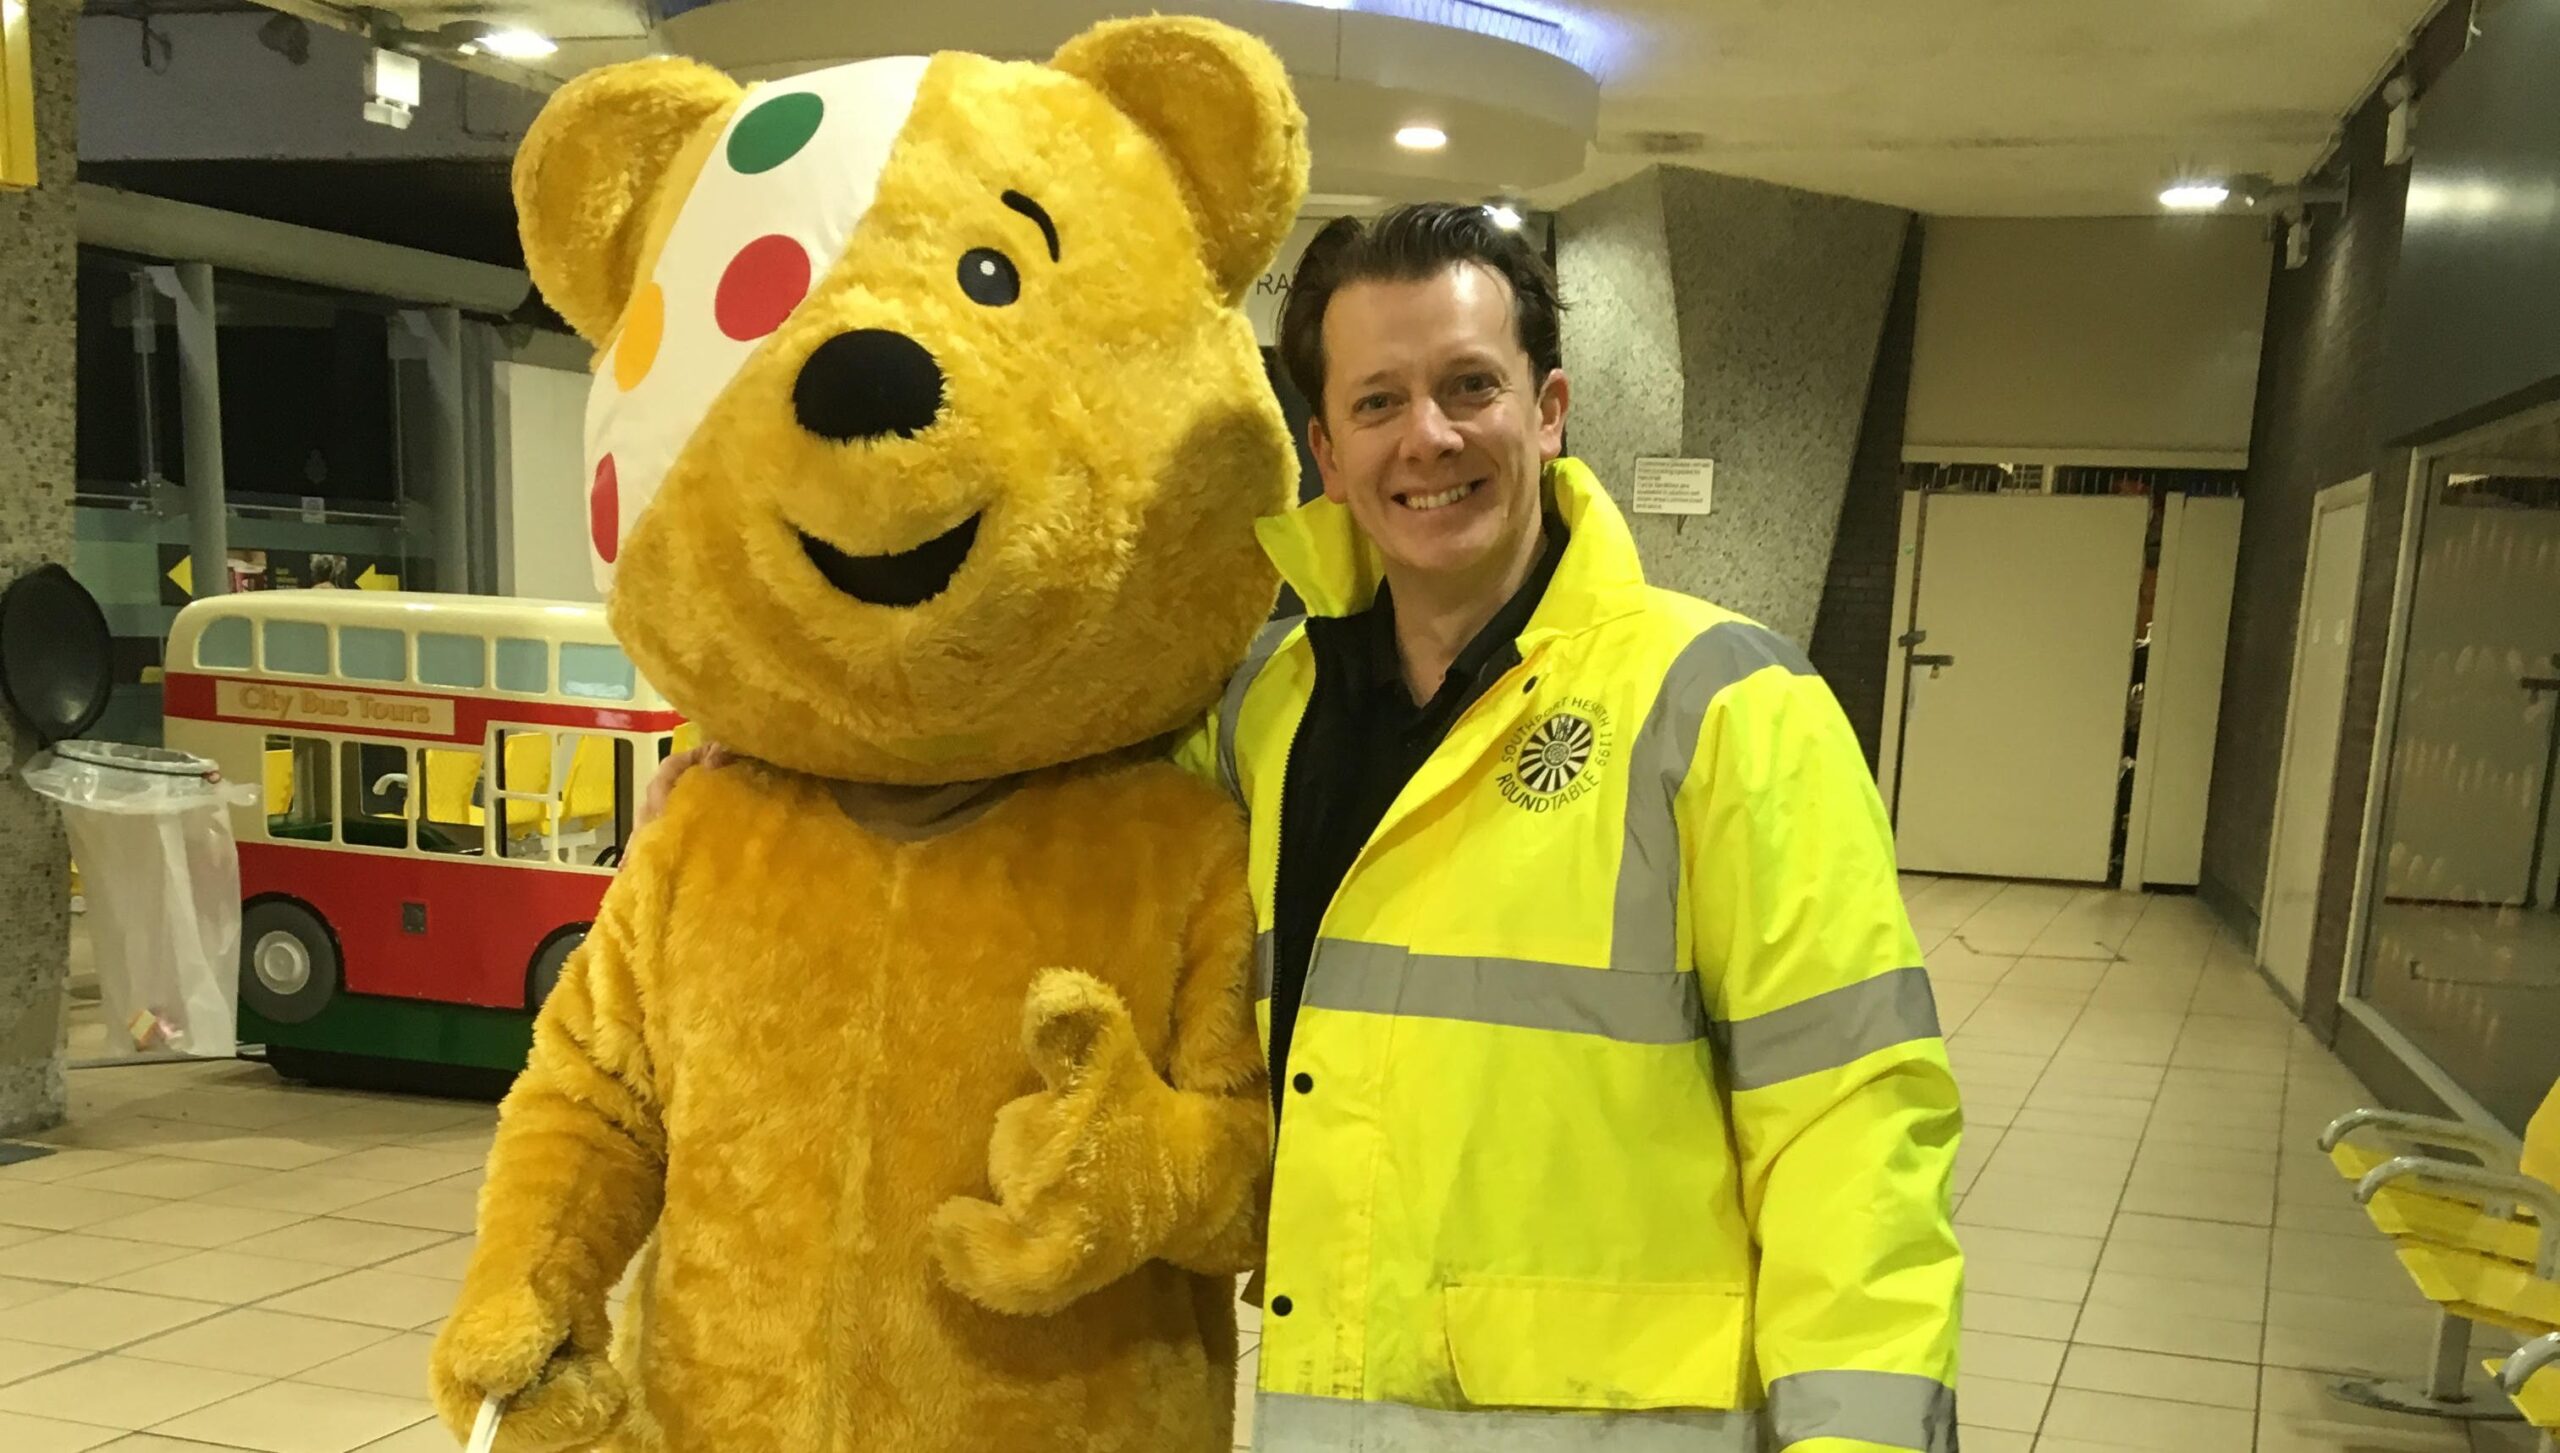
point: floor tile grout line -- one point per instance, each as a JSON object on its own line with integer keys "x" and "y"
{"x": 224, "y": 1310}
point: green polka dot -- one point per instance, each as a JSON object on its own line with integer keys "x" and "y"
{"x": 774, "y": 132}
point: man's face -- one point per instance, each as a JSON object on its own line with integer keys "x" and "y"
{"x": 1432, "y": 430}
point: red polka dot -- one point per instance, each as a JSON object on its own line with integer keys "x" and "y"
{"x": 604, "y": 511}
{"x": 764, "y": 282}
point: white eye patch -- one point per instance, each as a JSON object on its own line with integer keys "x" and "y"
{"x": 776, "y": 204}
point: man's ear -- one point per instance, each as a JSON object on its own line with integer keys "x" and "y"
{"x": 589, "y": 176}
{"x": 1553, "y": 399}
{"x": 1320, "y": 444}
{"x": 1219, "y": 104}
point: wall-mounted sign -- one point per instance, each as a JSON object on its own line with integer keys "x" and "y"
{"x": 1675, "y": 486}
{"x": 17, "y": 96}
{"x": 1263, "y": 299}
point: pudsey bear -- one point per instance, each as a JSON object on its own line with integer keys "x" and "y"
{"x": 926, "y": 442}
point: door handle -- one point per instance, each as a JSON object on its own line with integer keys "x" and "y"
{"x": 1934, "y": 663}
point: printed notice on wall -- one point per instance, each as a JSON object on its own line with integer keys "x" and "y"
{"x": 1675, "y": 486}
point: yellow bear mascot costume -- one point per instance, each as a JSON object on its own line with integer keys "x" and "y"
{"x": 927, "y": 442}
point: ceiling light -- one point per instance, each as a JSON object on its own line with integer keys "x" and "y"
{"x": 1422, "y": 138}
{"x": 515, "y": 45}
{"x": 1504, "y": 215}
{"x": 2195, "y": 196}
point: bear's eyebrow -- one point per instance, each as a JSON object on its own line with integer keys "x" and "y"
{"x": 1033, "y": 210}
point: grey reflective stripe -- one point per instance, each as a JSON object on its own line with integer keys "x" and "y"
{"x": 1231, "y": 705}
{"x": 1645, "y": 935}
{"x": 1829, "y": 1030}
{"x": 1266, "y": 959}
{"x": 1292, "y": 1423}
{"x": 1896, "y": 1409}
{"x": 1380, "y": 978}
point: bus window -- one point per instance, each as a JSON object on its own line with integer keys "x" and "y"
{"x": 599, "y": 673}
{"x": 452, "y": 660}
{"x": 375, "y": 795}
{"x": 300, "y": 805}
{"x": 299, "y": 647}
{"x": 524, "y": 665}
{"x": 449, "y": 816}
{"x": 224, "y": 645}
{"x": 369, "y": 653}
{"x": 567, "y": 796}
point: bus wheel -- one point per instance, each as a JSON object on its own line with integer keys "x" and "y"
{"x": 288, "y": 962}
{"x": 548, "y": 961}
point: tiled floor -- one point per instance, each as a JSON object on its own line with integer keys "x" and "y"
{"x": 2159, "y": 1259}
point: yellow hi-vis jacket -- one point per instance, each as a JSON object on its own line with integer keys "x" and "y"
{"x": 1618, "y": 1117}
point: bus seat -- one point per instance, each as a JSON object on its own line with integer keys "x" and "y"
{"x": 590, "y": 798}
{"x": 528, "y": 770}
{"x": 452, "y": 777}
{"x": 279, "y": 775}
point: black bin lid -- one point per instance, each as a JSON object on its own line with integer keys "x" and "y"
{"x": 55, "y": 669}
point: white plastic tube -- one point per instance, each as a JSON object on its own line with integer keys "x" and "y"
{"x": 484, "y": 1431}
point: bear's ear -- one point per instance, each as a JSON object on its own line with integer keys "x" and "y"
{"x": 1219, "y": 104}
{"x": 588, "y": 175}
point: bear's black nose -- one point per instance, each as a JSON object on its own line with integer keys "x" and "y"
{"x": 866, "y": 384}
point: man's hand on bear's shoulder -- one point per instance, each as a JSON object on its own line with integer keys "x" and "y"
{"x": 653, "y": 802}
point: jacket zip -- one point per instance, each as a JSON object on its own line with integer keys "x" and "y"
{"x": 1279, "y": 826}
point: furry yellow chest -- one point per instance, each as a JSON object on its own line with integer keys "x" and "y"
{"x": 806, "y": 1036}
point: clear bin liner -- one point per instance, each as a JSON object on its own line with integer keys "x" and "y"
{"x": 151, "y": 830}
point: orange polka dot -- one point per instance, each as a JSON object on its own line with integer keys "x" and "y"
{"x": 642, "y": 332}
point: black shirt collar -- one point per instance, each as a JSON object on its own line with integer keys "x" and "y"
{"x": 1381, "y": 667}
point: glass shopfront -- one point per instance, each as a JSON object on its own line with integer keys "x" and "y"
{"x": 2461, "y": 941}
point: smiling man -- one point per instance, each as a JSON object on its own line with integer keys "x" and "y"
{"x": 1614, "y": 1114}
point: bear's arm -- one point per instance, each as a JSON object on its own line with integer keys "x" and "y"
{"x": 1217, "y": 1062}
{"x": 577, "y": 1173}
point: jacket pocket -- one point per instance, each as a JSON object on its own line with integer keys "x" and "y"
{"x": 1594, "y": 1345}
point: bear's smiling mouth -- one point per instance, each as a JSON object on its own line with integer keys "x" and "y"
{"x": 910, "y": 577}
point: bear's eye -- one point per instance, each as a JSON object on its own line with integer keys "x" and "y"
{"x": 988, "y": 277}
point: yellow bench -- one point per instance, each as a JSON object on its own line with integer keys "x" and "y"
{"x": 2481, "y": 1238}
{"x": 2532, "y": 1378}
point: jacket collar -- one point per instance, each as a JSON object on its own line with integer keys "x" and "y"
{"x": 1337, "y": 572}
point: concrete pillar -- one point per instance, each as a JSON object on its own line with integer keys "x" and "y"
{"x": 1711, "y": 316}
{"x": 36, "y": 371}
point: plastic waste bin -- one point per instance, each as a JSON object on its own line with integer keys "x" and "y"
{"x": 152, "y": 832}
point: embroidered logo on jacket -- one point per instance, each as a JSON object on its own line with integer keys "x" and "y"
{"x": 1557, "y": 759}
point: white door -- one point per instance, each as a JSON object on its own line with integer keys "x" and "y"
{"x": 2182, "y": 691}
{"x": 2013, "y": 743}
{"x": 2323, "y": 640}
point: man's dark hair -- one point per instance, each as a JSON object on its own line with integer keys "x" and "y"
{"x": 1410, "y": 244}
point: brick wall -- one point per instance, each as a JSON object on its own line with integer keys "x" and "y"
{"x": 1853, "y": 630}
{"x": 2317, "y": 424}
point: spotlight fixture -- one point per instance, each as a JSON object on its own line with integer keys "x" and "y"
{"x": 1422, "y": 138}
{"x": 1503, "y": 215}
{"x": 2195, "y": 196}
{"x": 510, "y": 43}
